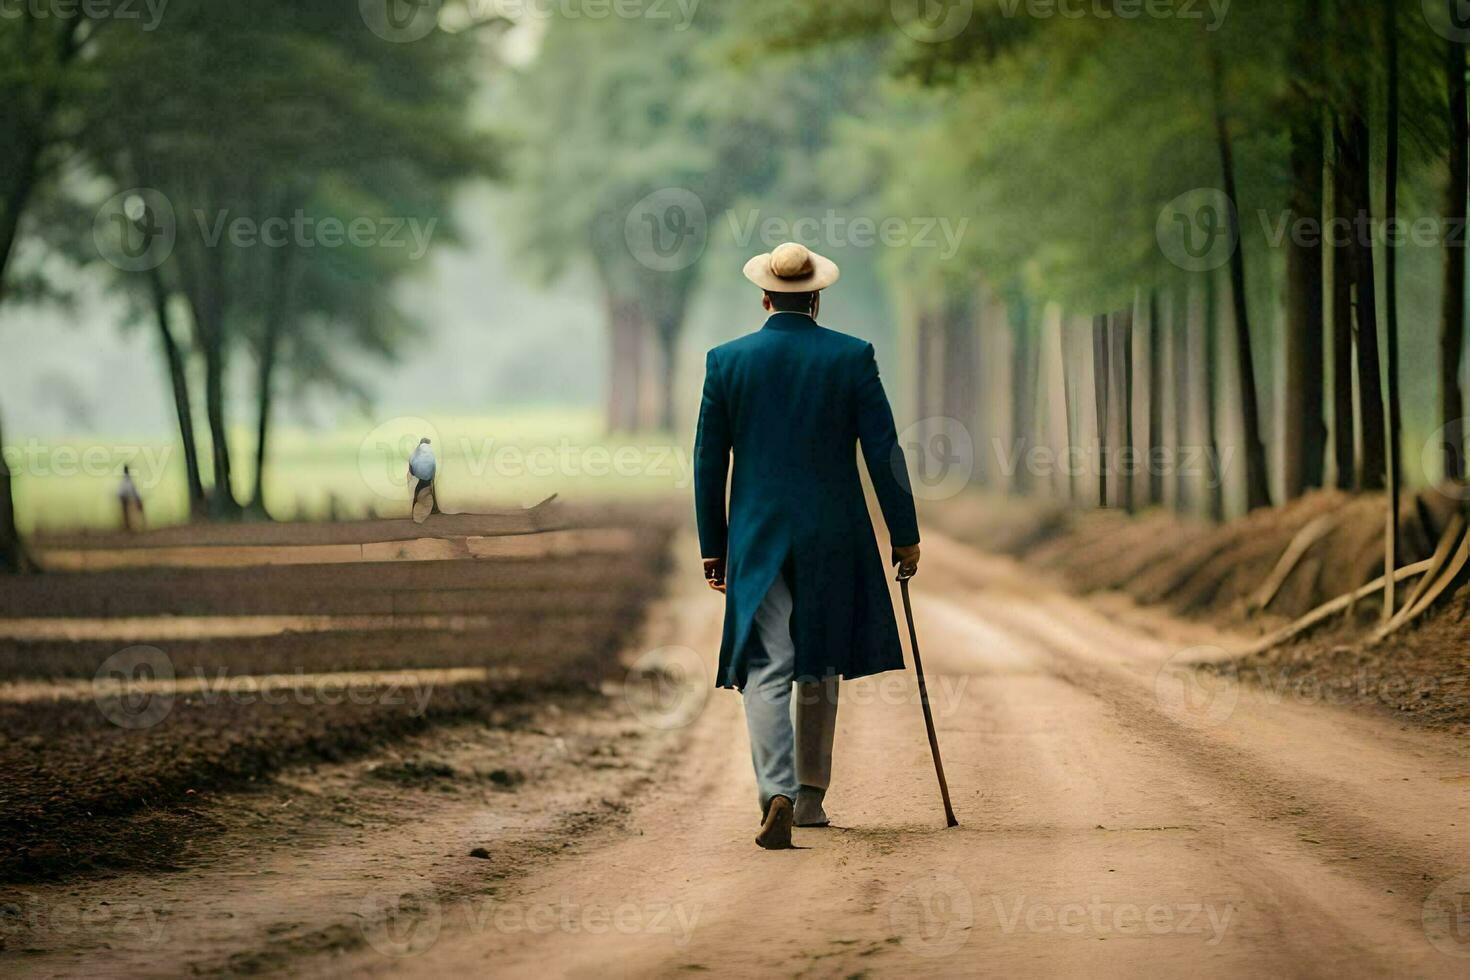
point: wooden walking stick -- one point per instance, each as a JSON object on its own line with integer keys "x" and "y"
{"x": 908, "y": 611}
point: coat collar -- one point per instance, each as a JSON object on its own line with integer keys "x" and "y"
{"x": 786, "y": 320}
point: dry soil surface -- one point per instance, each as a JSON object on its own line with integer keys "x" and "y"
{"x": 1120, "y": 815}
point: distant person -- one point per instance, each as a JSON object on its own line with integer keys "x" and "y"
{"x": 130, "y": 501}
{"x": 806, "y": 598}
{"x": 421, "y": 469}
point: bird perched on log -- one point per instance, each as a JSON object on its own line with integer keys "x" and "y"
{"x": 421, "y": 469}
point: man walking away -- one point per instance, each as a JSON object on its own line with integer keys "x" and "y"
{"x": 806, "y": 598}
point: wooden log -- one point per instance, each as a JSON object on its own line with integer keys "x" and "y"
{"x": 1441, "y": 584}
{"x": 1327, "y": 609}
{"x": 1442, "y": 551}
{"x": 1309, "y": 535}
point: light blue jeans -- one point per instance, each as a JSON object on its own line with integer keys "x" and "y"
{"x": 790, "y": 739}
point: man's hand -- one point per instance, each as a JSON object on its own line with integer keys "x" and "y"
{"x": 714, "y": 573}
{"x": 907, "y": 560}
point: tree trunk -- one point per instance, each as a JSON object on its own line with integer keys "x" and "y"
{"x": 635, "y": 365}
{"x": 1180, "y": 325}
{"x": 183, "y": 405}
{"x": 625, "y": 363}
{"x": 1344, "y": 443}
{"x": 1122, "y": 405}
{"x": 1100, "y": 391}
{"x": 1068, "y": 454}
{"x": 614, "y": 395}
{"x": 23, "y": 183}
{"x": 263, "y": 399}
{"x": 668, "y": 342}
{"x": 278, "y": 312}
{"x": 1452, "y": 315}
{"x": 1258, "y": 492}
{"x": 1154, "y": 460}
{"x": 923, "y": 340}
{"x": 1023, "y": 387}
{"x": 1304, "y": 427}
{"x": 1215, "y": 489}
{"x": 13, "y": 557}
{"x": 222, "y": 502}
{"x": 958, "y": 330}
{"x": 1391, "y": 299}
{"x": 1370, "y": 384}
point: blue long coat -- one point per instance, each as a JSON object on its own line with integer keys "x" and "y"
{"x": 792, "y": 401}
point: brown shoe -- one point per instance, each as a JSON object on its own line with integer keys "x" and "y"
{"x": 775, "y": 832}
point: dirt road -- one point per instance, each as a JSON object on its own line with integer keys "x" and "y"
{"x": 1120, "y": 816}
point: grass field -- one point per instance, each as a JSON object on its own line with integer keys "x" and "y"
{"x": 484, "y": 461}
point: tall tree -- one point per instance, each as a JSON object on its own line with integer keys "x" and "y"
{"x": 13, "y": 554}
{"x": 1102, "y": 377}
{"x": 178, "y": 376}
{"x": 1258, "y": 493}
{"x": 1344, "y": 441}
{"x": 1215, "y": 491}
{"x": 1180, "y": 324}
{"x": 1154, "y": 451}
{"x": 1452, "y": 317}
{"x": 1391, "y": 301}
{"x": 1354, "y": 163}
{"x": 1304, "y": 430}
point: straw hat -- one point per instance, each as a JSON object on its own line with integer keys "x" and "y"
{"x": 791, "y": 268}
